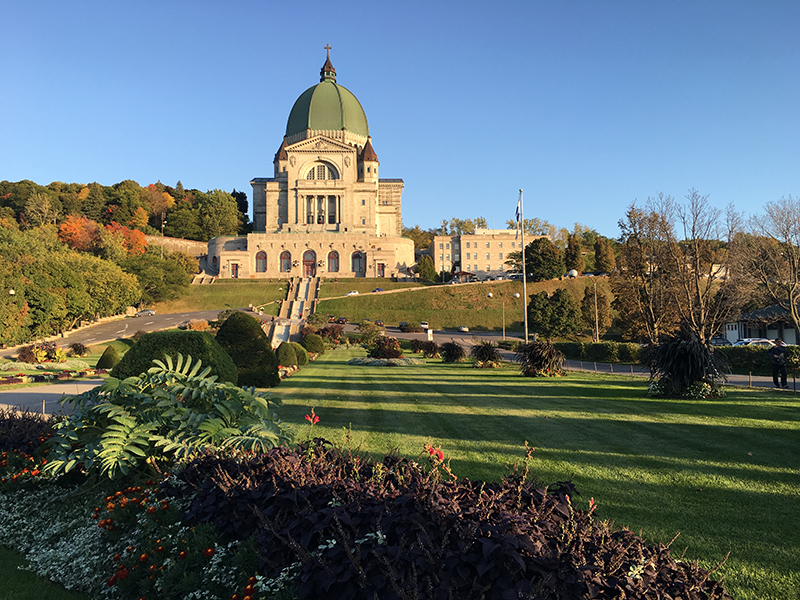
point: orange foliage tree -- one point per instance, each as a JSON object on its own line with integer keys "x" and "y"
{"x": 132, "y": 239}
{"x": 79, "y": 233}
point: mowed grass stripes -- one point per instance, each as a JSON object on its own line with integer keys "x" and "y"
{"x": 724, "y": 473}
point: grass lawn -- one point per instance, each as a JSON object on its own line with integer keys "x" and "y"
{"x": 24, "y": 585}
{"x": 723, "y": 473}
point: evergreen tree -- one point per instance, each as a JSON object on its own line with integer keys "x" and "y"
{"x": 425, "y": 269}
{"x": 246, "y": 343}
{"x": 603, "y": 256}
{"x": 573, "y": 258}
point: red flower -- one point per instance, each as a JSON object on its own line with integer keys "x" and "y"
{"x": 312, "y": 418}
{"x": 208, "y": 552}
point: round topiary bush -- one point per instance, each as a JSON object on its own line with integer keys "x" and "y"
{"x": 246, "y": 343}
{"x": 287, "y": 357}
{"x": 314, "y": 343}
{"x": 301, "y": 353}
{"x": 156, "y": 345}
{"x": 109, "y": 359}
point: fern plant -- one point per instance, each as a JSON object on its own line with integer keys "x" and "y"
{"x": 686, "y": 368}
{"x": 452, "y": 352}
{"x": 173, "y": 412}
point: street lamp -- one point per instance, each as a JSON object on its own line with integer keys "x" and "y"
{"x": 11, "y": 292}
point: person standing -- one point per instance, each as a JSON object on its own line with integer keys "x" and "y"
{"x": 777, "y": 356}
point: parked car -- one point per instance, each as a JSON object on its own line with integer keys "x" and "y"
{"x": 464, "y": 329}
{"x": 147, "y": 312}
{"x": 331, "y": 318}
{"x": 424, "y": 325}
{"x": 342, "y": 320}
{"x": 402, "y": 324}
{"x": 719, "y": 341}
{"x": 754, "y": 342}
{"x": 379, "y": 322}
{"x": 376, "y": 290}
{"x": 353, "y": 293}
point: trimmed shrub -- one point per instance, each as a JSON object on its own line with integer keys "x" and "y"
{"x": 416, "y": 345}
{"x": 316, "y": 319}
{"x": 138, "y": 335}
{"x": 301, "y": 353}
{"x": 332, "y": 332}
{"x": 574, "y": 350}
{"x": 313, "y": 343}
{"x": 630, "y": 353}
{"x": 486, "y": 355}
{"x": 22, "y": 430}
{"x": 109, "y": 359}
{"x": 158, "y": 344}
{"x": 287, "y": 357}
{"x": 248, "y": 346}
{"x": 411, "y": 327}
{"x": 540, "y": 359}
{"x": 453, "y": 352}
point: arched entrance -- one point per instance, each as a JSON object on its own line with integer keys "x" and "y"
{"x": 359, "y": 262}
{"x": 309, "y": 263}
{"x": 261, "y": 262}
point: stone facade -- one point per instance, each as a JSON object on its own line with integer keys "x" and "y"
{"x": 483, "y": 253}
{"x": 325, "y": 212}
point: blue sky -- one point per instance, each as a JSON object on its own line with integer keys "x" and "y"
{"x": 587, "y": 106}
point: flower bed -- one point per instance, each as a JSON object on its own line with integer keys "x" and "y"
{"x": 385, "y": 362}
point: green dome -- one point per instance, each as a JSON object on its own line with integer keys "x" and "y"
{"x": 327, "y": 106}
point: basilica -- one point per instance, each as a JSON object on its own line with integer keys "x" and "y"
{"x": 325, "y": 212}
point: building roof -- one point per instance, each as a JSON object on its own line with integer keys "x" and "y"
{"x": 369, "y": 153}
{"x": 327, "y": 106}
{"x": 768, "y": 314}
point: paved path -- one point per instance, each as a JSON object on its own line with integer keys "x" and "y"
{"x": 46, "y": 396}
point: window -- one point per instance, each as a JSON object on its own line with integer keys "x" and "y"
{"x": 467, "y": 244}
{"x": 512, "y": 244}
{"x": 500, "y": 256}
{"x": 487, "y": 244}
{"x": 261, "y": 262}
{"x": 441, "y": 246}
{"x": 363, "y": 221}
{"x": 499, "y": 244}
{"x": 467, "y": 267}
{"x": 322, "y": 172}
{"x": 474, "y": 267}
{"x": 363, "y": 202}
{"x": 488, "y": 268}
{"x": 286, "y": 261}
{"x": 359, "y": 263}
{"x": 448, "y": 257}
{"x": 488, "y": 256}
{"x": 333, "y": 262}
{"x": 447, "y": 246}
{"x": 441, "y": 258}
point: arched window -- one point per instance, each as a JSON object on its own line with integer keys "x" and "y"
{"x": 261, "y": 262}
{"x": 286, "y": 262}
{"x": 322, "y": 171}
{"x": 333, "y": 261}
{"x": 359, "y": 263}
{"x": 309, "y": 263}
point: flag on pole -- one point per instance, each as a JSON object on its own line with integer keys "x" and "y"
{"x": 516, "y": 218}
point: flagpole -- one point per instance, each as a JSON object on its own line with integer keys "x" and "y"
{"x": 524, "y": 275}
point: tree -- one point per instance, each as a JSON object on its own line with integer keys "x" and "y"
{"x": 219, "y": 214}
{"x": 604, "y": 261}
{"x": 94, "y": 205}
{"x": 535, "y": 226}
{"x": 159, "y": 278}
{"x": 246, "y": 343}
{"x": 767, "y": 258}
{"x": 42, "y": 208}
{"x": 640, "y": 285}
{"x": 543, "y": 260}
{"x": 554, "y": 316}
{"x": 183, "y": 221}
{"x": 596, "y": 311}
{"x": 573, "y": 257}
{"x": 244, "y": 210}
{"x": 422, "y": 237}
{"x": 426, "y": 269}
{"x": 79, "y": 233}
{"x": 466, "y": 226}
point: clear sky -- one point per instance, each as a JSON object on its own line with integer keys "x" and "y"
{"x": 586, "y": 105}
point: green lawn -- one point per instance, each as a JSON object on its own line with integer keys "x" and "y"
{"x": 16, "y": 584}
{"x": 723, "y": 473}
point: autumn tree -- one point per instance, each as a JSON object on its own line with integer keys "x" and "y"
{"x": 767, "y": 257}
{"x": 42, "y": 208}
{"x": 422, "y": 237}
{"x": 604, "y": 260}
{"x": 641, "y": 287}
{"x": 79, "y": 233}
{"x": 596, "y": 311}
